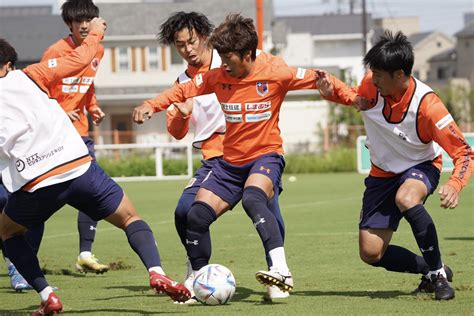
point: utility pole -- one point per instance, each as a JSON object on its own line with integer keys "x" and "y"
{"x": 259, "y": 14}
{"x": 364, "y": 29}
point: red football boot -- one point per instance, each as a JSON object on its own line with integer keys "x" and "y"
{"x": 163, "y": 284}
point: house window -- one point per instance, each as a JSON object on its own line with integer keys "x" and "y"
{"x": 442, "y": 73}
{"x": 438, "y": 44}
{"x": 123, "y": 59}
{"x": 153, "y": 58}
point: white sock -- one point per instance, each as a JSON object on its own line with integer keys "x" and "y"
{"x": 439, "y": 271}
{"x": 157, "y": 269}
{"x": 85, "y": 254}
{"x": 45, "y": 293}
{"x": 7, "y": 261}
{"x": 279, "y": 261}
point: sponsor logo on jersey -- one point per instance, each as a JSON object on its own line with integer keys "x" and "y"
{"x": 35, "y": 158}
{"x": 87, "y": 80}
{"x": 444, "y": 122}
{"x": 300, "y": 73}
{"x": 70, "y": 89}
{"x": 52, "y": 63}
{"x": 83, "y": 89}
{"x": 72, "y": 80}
{"x": 258, "y": 106}
{"x": 258, "y": 117}
{"x": 233, "y": 118}
{"x": 95, "y": 63}
{"x": 401, "y": 134}
{"x": 262, "y": 88}
{"x": 20, "y": 165}
{"x": 231, "y": 107}
{"x": 198, "y": 80}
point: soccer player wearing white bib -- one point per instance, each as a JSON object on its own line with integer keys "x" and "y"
{"x": 407, "y": 124}
{"x": 45, "y": 164}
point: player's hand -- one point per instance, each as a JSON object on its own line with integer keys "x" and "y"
{"x": 185, "y": 108}
{"x": 448, "y": 196}
{"x": 74, "y": 115}
{"x": 324, "y": 83}
{"x": 97, "y": 116}
{"x": 142, "y": 113}
{"x": 98, "y": 25}
{"x": 361, "y": 103}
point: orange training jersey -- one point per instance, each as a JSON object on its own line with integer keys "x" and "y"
{"x": 434, "y": 123}
{"x": 251, "y": 105}
{"x": 75, "y": 92}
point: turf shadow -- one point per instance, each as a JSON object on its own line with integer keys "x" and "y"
{"x": 371, "y": 294}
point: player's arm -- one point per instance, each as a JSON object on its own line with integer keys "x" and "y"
{"x": 334, "y": 90}
{"x": 201, "y": 84}
{"x": 93, "y": 108}
{"x": 441, "y": 127}
{"x": 56, "y": 68}
{"x": 178, "y": 117}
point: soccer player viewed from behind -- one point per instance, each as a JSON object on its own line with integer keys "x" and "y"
{"x": 46, "y": 165}
{"x": 189, "y": 32}
{"x": 407, "y": 124}
{"x": 250, "y": 89}
{"x": 76, "y": 95}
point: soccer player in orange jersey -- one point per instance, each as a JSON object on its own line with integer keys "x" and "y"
{"x": 45, "y": 165}
{"x": 407, "y": 124}
{"x": 250, "y": 89}
{"x": 76, "y": 95}
{"x": 189, "y": 32}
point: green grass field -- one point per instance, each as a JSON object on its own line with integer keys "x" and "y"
{"x": 321, "y": 213}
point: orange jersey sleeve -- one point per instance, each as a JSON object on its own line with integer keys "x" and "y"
{"x": 201, "y": 84}
{"x": 177, "y": 124}
{"x": 44, "y": 73}
{"x": 435, "y": 123}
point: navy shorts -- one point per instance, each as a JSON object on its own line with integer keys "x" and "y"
{"x": 3, "y": 196}
{"x": 227, "y": 181}
{"x": 379, "y": 209}
{"x": 195, "y": 183}
{"x": 90, "y": 145}
{"x": 94, "y": 191}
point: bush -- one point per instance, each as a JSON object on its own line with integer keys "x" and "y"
{"x": 336, "y": 160}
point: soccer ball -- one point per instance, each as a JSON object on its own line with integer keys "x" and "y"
{"x": 214, "y": 285}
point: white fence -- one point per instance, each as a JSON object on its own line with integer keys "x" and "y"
{"x": 159, "y": 148}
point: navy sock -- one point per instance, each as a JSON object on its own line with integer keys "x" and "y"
{"x": 140, "y": 237}
{"x": 198, "y": 238}
{"x": 274, "y": 207}
{"x": 181, "y": 215}
{"x": 399, "y": 259}
{"x": 425, "y": 234}
{"x": 25, "y": 261}
{"x": 34, "y": 237}
{"x": 86, "y": 227}
{"x": 254, "y": 201}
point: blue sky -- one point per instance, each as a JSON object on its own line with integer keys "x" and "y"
{"x": 441, "y": 15}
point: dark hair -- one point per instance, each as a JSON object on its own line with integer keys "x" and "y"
{"x": 391, "y": 53}
{"x": 7, "y": 53}
{"x": 193, "y": 21}
{"x": 236, "y": 34}
{"x": 78, "y": 10}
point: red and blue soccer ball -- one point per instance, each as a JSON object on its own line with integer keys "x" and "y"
{"x": 214, "y": 285}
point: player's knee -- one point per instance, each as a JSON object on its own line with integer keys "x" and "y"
{"x": 252, "y": 198}
{"x": 406, "y": 201}
{"x": 370, "y": 256}
{"x": 200, "y": 217}
{"x": 183, "y": 208}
